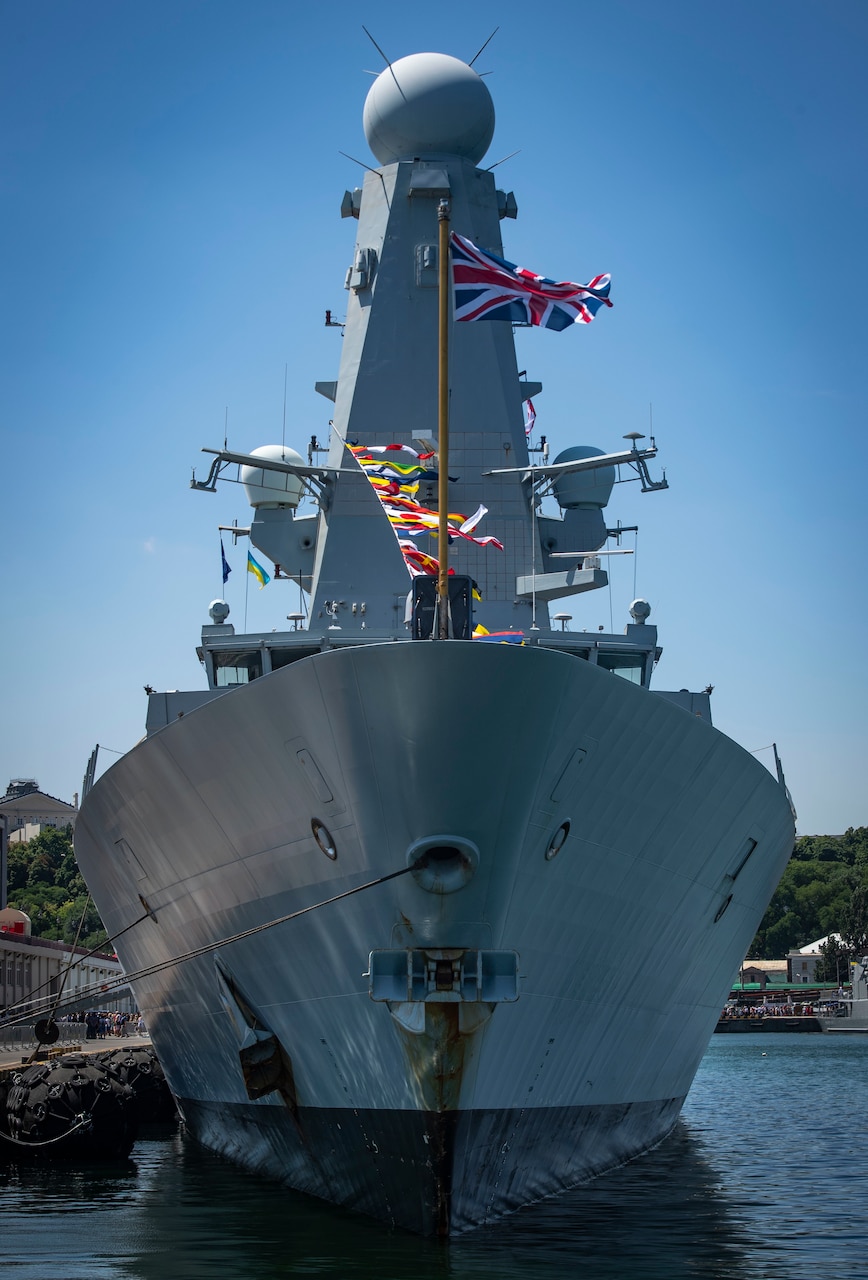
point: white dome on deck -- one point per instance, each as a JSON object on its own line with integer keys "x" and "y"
{"x": 273, "y": 488}
{"x": 586, "y": 489}
{"x": 428, "y": 104}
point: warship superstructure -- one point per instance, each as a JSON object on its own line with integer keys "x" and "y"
{"x": 512, "y": 882}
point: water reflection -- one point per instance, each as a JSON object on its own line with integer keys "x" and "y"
{"x": 177, "y": 1211}
{"x": 665, "y": 1216}
{"x": 760, "y": 1179}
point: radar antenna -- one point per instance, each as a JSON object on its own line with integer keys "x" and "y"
{"x": 388, "y": 60}
{"x": 369, "y": 169}
{"x": 488, "y": 41}
{"x": 361, "y": 163}
{"x": 503, "y": 161}
{"x": 283, "y": 436}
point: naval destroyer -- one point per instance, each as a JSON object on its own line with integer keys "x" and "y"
{"x": 431, "y": 904}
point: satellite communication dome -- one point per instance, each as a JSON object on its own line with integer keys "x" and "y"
{"x": 273, "y": 488}
{"x": 218, "y": 611}
{"x": 583, "y": 489}
{"x": 428, "y": 104}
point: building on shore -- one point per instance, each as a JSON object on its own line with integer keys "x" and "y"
{"x": 802, "y": 962}
{"x": 33, "y": 970}
{"x": 761, "y": 973}
{"x": 27, "y": 809}
{"x": 798, "y": 969}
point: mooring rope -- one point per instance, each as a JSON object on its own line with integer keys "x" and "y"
{"x": 49, "y": 1142}
{"x": 44, "y": 1004}
{"x": 124, "y": 979}
{"x": 259, "y": 928}
{"x": 63, "y": 978}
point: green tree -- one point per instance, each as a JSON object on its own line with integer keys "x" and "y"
{"x": 46, "y": 853}
{"x": 834, "y": 962}
{"x": 807, "y": 904}
{"x": 854, "y": 921}
{"x": 823, "y": 849}
{"x": 78, "y": 917}
{"x": 41, "y": 902}
{"x": 44, "y": 881}
{"x": 17, "y": 866}
{"x": 818, "y": 888}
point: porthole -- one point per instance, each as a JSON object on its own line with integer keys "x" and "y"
{"x": 324, "y": 839}
{"x": 722, "y": 908}
{"x": 557, "y": 841}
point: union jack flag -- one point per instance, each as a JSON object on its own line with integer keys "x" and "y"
{"x": 489, "y": 288}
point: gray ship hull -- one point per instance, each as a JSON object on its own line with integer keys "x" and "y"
{"x": 434, "y": 1173}
{"x": 628, "y": 937}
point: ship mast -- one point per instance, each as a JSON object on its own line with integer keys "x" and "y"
{"x": 443, "y": 422}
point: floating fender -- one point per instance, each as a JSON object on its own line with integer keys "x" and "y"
{"x": 5, "y": 1086}
{"x": 74, "y": 1106}
{"x": 138, "y": 1067}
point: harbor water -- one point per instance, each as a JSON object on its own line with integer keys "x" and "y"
{"x": 766, "y": 1176}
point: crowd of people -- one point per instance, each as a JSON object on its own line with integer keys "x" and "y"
{"x": 101, "y": 1023}
{"x": 769, "y": 1009}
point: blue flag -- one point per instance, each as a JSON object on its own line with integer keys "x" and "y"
{"x": 226, "y": 568}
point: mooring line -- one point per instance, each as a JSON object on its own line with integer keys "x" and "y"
{"x": 259, "y": 928}
{"x": 123, "y": 980}
{"x": 49, "y": 1142}
{"x": 44, "y": 1004}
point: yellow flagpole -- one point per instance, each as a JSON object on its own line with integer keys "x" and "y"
{"x": 443, "y": 423}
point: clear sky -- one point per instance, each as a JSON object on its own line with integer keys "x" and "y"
{"x": 170, "y": 232}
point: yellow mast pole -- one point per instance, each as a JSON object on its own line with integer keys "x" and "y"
{"x": 443, "y": 423}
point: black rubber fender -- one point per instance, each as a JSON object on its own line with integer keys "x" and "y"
{"x": 139, "y": 1067}
{"x": 73, "y": 1106}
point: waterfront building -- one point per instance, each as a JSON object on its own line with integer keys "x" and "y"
{"x": 34, "y": 968}
{"x": 802, "y": 963}
{"x": 764, "y": 972}
{"x": 24, "y": 805}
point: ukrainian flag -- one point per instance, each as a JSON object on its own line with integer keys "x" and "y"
{"x": 257, "y": 570}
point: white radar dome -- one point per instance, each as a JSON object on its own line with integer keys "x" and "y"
{"x": 273, "y": 488}
{"x": 428, "y": 104}
{"x": 583, "y": 489}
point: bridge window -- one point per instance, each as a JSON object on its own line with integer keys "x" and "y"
{"x": 237, "y": 668}
{"x": 630, "y": 666}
